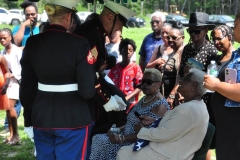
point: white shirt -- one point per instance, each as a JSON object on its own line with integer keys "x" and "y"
{"x": 13, "y": 60}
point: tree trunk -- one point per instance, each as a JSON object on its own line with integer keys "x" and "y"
{"x": 166, "y": 6}
{"x": 141, "y": 12}
{"x": 236, "y": 6}
{"x": 183, "y": 6}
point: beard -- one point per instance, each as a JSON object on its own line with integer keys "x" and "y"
{"x": 34, "y": 21}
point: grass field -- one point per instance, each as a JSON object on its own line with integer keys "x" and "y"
{"x": 25, "y": 150}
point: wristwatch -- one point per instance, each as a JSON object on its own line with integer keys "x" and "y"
{"x": 172, "y": 96}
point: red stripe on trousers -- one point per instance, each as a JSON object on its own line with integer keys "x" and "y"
{"x": 85, "y": 145}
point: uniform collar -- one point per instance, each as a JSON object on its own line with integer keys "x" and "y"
{"x": 57, "y": 27}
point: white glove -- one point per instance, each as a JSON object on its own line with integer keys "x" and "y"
{"x": 111, "y": 105}
{"x": 121, "y": 103}
{"x": 29, "y": 132}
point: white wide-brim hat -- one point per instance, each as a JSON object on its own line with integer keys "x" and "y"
{"x": 71, "y": 4}
{"x": 122, "y": 12}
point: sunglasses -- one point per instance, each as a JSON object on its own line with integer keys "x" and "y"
{"x": 148, "y": 81}
{"x": 173, "y": 38}
{"x": 157, "y": 22}
{"x": 30, "y": 14}
{"x": 215, "y": 39}
{"x": 195, "y": 31}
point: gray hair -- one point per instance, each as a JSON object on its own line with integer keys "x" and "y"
{"x": 196, "y": 75}
{"x": 160, "y": 15}
{"x": 157, "y": 74}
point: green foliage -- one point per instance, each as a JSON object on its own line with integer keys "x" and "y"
{"x": 24, "y": 151}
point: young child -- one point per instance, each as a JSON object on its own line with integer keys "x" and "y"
{"x": 126, "y": 75}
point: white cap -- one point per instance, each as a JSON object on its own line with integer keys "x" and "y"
{"x": 71, "y": 4}
{"x": 122, "y": 12}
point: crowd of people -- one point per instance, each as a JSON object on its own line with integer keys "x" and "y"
{"x": 85, "y": 103}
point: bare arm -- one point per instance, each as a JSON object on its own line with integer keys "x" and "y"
{"x": 20, "y": 33}
{"x": 136, "y": 91}
{"x": 7, "y": 75}
{"x": 152, "y": 63}
{"x": 4, "y": 63}
{"x": 230, "y": 91}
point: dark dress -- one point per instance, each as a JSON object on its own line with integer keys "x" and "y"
{"x": 227, "y": 124}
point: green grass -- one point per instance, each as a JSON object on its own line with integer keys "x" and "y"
{"x": 24, "y": 151}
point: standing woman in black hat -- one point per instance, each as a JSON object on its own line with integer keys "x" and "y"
{"x": 57, "y": 78}
{"x": 199, "y": 48}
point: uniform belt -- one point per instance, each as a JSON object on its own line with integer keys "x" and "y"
{"x": 58, "y": 88}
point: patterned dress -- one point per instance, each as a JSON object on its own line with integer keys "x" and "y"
{"x": 103, "y": 149}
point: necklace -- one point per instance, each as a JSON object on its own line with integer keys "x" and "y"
{"x": 149, "y": 99}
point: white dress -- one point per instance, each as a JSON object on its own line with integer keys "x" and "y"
{"x": 13, "y": 60}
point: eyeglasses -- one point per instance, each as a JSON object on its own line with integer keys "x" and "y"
{"x": 30, "y": 14}
{"x": 157, "y": 22}
{"x": 173, "y": 38}
{"x": 195, "y": 31}
{"x": 148, "y": 81}
{"x": 215, "y": 39}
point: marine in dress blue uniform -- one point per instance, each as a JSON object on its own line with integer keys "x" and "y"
{"x": 95, "y": 29}
{"x": 57, "y": 78}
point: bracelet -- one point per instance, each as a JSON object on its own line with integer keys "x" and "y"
{"x": 119, "y": 136}
{"x": 172, "y": 96}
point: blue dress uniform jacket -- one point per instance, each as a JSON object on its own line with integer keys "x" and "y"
{"x": 95, "y": 33}
{"x": 56, "y": 57}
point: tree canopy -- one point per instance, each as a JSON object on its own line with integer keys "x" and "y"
{"x": 230, "y": 7}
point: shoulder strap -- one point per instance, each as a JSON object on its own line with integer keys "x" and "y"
{"x": 159, "y": 54}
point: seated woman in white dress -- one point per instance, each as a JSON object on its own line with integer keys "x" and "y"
{"x": 153, "y": 104}
{"x": 180, "y": 132}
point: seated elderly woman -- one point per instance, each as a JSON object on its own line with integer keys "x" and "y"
{"x": 153, "y": 104}
{"x": 181, "y": 131}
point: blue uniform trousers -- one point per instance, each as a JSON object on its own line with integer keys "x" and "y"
{"x": 61, "y": 144}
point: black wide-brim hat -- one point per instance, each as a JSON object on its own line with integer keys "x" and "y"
{"x": 198, "y": 19}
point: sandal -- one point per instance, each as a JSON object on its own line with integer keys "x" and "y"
{"x": 14, "y": 142}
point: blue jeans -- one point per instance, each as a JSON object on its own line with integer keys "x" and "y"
{"x": 17, "y": 107}
{"x": 61, "y": 144}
